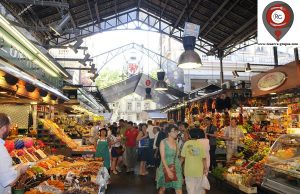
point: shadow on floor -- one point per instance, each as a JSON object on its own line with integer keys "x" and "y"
{"x": 131, "y": 183}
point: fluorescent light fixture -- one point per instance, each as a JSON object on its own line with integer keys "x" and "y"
{"x": 17, "y": 39}
{"x": 3, "y": 92}
{"x": 266, "y": 108}
{"x": 273, "y": 93}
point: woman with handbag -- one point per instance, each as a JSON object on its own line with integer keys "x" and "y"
{"x": 116, "y": 150}
{"x": 143, "y": 149}
{"x": 169, "y": 172}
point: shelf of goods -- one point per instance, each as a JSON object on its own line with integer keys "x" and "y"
{"x": 74, "y": 130}
{"x": 282, "y": 173}
{"x": 55, "y": 137}
{"x": 59, "y": 174}
{"x": 25, "y": 149}
{"x": 55, "y": 174}
{"x": 276, "y": 169}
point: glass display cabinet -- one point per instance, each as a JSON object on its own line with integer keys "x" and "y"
{"x": 282, "y": 169}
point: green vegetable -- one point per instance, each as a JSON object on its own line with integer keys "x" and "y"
{"x": 218, "y": 172}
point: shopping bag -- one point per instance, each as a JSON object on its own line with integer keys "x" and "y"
{"x": 205, "y": 183}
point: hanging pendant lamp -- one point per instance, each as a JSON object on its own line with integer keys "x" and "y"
{"x": 161, "y": 85}
{"x": 148, "y": 95}
{"x": 189, "y": 59}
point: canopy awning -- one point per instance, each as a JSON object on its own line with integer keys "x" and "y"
{"x": 136, "y": 84}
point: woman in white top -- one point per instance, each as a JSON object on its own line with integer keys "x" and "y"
{"x": 205, "y": 143}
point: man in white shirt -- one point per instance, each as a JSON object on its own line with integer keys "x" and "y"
{"x": 8, "y": 173}
{"x": 151, "y": 134}
{"x": 233, "y": 136}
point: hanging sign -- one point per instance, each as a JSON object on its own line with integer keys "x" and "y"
{"x": 280, "y": 79}
{"x": 148, "y": 82}
{"x": 132, "y": 68}
{"x": 271, "y": 81}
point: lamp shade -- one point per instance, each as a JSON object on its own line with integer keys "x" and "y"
{"x": 11, "y": 80}
{"x": 189, "y": 59}
{"x": 161, "y": 85}
{"x": 148, "y": 90}
{"x": 148, "y": 97}
{"x": 29, "y": 87}
{"x": 53, "y": 97}
{"x": 43, "y": 93}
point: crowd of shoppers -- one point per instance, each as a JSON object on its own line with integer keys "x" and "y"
{"x": 179, "y": 152}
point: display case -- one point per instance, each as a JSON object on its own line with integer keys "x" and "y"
{"x": 283, "y": 165}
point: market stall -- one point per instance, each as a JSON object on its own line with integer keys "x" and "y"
{"x": 55, "y": 173}
{"x": 269, "y": 155}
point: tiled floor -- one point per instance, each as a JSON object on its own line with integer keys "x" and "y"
{"x": 130, "y": 183}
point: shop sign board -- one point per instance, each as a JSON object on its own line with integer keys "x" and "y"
{"x": 276, "y": 80}
{"x": 271, "y": 81}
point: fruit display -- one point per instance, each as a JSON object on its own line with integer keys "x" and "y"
{"x": 58, "y": 132}
{"x": 63, "y": 137}
{"x": 55, "y": 174}
{"x": 24, "y": 150}
{"x": 76, "y": 132}
{"x": 55, "y": 183}
{"x": 283, "y": 163}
